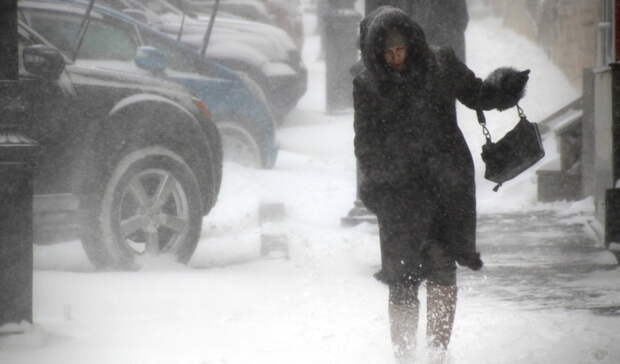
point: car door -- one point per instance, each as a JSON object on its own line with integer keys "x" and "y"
{"x": 51, "y": 109}
{"x": 85, "y": 93}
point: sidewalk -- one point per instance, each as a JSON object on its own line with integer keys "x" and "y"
{"x": 543, "y": 259}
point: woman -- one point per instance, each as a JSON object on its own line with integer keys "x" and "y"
{"x": 417, "y": 174}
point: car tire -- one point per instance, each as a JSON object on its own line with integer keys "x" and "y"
{"x": 240, "y": 146}
{"x": 150, "y": 204}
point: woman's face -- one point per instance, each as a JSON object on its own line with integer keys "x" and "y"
{"x": 395, "y": 56}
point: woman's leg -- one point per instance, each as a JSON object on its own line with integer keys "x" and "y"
{"x": 441, "y": 306}
{"x": 441, "y": 293}
{"x": 403, "y": 311}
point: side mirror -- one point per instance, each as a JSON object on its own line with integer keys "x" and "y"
{"x": 44, "y": 61}
{"x": 150, "y": 59}
{"x": 137, "y": 14}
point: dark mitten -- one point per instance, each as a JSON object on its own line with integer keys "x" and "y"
{"x": 505, "y": 87}
{"x": 514, "y": 82}
{"x": 470, "y": 260}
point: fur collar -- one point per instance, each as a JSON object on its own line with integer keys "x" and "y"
{"x": 373, "y": 30}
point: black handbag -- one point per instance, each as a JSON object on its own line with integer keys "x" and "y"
{"x": 517, "y": 151}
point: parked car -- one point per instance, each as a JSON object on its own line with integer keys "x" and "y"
{"x": 265, "y": 53}
{"x": 247, "y": 9}
{"x": 238, "y": 105}
{"x": 134, "y": 161}
{"x": 288, "y": 16}
{"x": 283, "y": 14}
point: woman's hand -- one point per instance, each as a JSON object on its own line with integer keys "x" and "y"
{"x": 513, "y": 83}
{"x": 503, "y": 88}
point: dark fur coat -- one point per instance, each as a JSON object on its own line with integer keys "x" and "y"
{"x": 413, "y": 160}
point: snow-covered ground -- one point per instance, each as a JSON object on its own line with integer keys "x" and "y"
{"x": 536, "y": 300}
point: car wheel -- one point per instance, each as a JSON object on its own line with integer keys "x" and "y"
{"x": 239, "y": 145}
{"x": 150, "y": 205}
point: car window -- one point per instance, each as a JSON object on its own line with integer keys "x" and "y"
{"x": 107, "y": 41}
{"x": 102, "y": 41}
{"x": 59, "y": 30}
{"x": 175, "y": 58}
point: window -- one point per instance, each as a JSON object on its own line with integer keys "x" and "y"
{"x": 105, "y": 41}
{"x": 102, "y": 41}
{"x": 605, "y": 33}
{"x": 61, "y": 31}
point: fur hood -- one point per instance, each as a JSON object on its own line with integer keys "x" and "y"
{"x": 373, "y": 31}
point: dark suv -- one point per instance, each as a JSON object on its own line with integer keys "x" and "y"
{"x": 133, "y": 161}
{"x": 115, "y": 41}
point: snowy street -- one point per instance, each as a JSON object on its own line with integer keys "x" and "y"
{"x": 548, "y": 293}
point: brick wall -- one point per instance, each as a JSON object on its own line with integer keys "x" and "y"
{"x": 566, "y": 29}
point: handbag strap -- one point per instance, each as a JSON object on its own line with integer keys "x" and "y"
{"x": 521, "y": 112}
{"x": 482, "y": 120}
